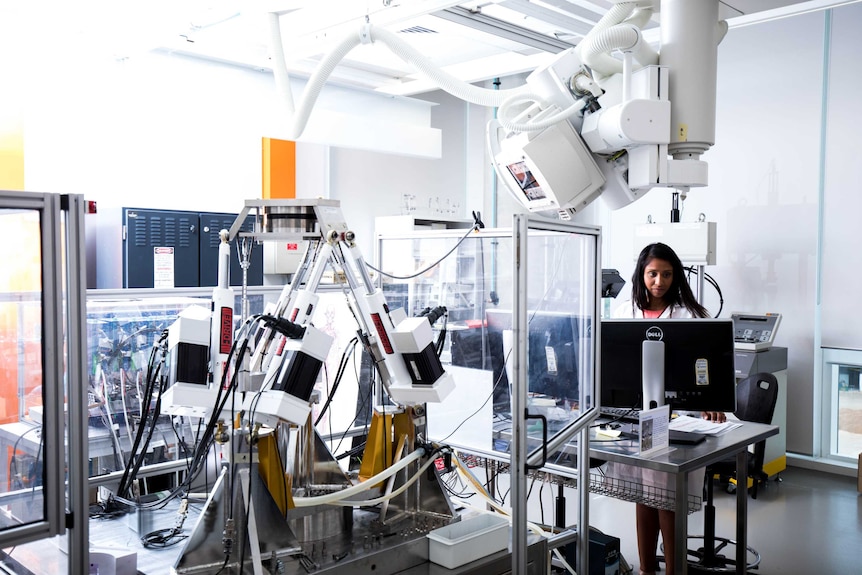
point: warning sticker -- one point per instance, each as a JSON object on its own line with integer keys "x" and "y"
{"x": 163, "y": 267}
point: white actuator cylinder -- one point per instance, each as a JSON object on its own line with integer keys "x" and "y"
{"x": 221, "y": 326}
{"x": 690, "y": 33}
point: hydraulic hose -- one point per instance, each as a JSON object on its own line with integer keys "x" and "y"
{"x": 388, "y": 496}
{"x": 334, "y": 498}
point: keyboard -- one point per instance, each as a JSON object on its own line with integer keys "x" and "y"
{"x": 621, "y": 413}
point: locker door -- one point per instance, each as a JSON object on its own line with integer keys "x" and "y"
{"x": 211, "y": 224}
{"x": 160, "y": 248}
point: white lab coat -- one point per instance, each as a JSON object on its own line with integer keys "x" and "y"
{"x": 627, "y": 310}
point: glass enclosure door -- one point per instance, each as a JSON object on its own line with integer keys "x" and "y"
{"x": 472, "y": 275}
{"x": 33, "y": 359}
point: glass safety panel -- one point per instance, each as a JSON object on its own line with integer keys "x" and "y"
{"x": 21, "y": 375}
{"x": 121, "y": 336}
{"x": 471, "y": 275}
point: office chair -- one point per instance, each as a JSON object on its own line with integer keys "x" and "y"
{"x": 756, "y": 397}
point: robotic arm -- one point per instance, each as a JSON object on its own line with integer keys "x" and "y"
{"x": 629, "y": 124}
{"x": 588, "y": 123}
{"x": 290, "y": 353}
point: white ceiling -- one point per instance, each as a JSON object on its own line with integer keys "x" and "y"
{"x": 475, "y": 40}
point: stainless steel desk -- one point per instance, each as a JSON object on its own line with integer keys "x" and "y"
{"x": 681, "y": 460}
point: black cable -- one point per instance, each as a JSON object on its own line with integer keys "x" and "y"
{"x": 152, "y": 373}
{"x": 183, "y": 448}
{"x": 432, "y": 266}
{"x": 152, "y": 428}
{"x": 36, "y": 465}
{"x": 170, "y": 536}
{"x": 13, "y": 456}
{"x": 487, "y": 399}
{"x": 713, "y": 283}
{"x": 201, "y": 454}
{"x": 163, "y": 538}
{"x": 541, "y": 503}
{"x": 365, "y": 401}
{"x": 342, "y": 367}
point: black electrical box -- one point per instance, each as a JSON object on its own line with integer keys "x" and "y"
{"x": 604, "y": 554}
{"x": 146, "y": 248}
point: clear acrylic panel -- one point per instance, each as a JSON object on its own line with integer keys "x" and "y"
{"x": 21, "y": 377}
{"x": 471, "y": 275}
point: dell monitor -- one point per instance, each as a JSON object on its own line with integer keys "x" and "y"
{"x": 693, "y": 358}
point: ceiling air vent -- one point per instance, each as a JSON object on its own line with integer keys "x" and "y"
{"x": 417, "y": 30}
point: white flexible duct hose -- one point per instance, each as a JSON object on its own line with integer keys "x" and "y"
{"x": 616, "y": 15}
{"x": 596, "y": 51}
{"x": 331, "y": 498}
{"x": 279, "y": 65}
{"x": 640, "y": 17}
{"x": 316, "y": 82}
{"x": 446, "y": 81}
{"x": 510, "y": 126}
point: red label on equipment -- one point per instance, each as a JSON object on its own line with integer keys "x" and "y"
{"x": 281, "y": 346}
{"x": 294, "y": 314}
{"x": 226, "y": 335}
{"x": 293, "y": 247}
{"x": 381, "y": 333}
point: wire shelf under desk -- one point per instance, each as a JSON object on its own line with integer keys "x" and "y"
{"x": 639, "y": 493}
{"x": 600, "y": 484}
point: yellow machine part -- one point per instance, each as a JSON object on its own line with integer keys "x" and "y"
{"x": 272, "y": 472}
{"x": 384, "y": 434}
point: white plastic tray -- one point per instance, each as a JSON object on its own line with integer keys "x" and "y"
{"x": 468, "y": 540}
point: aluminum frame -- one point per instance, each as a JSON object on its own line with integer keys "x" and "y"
{"x": 61, "y": 220}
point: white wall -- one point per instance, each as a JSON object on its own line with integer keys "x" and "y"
{"x": 371, "y": 184}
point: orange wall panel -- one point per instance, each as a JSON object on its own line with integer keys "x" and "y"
{"x": 279, "y": 169}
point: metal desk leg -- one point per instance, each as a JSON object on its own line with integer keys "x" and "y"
{"x": 742, "y": 511}
{"x": 680, "y": 554}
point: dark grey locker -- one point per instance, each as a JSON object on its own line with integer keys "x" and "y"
{"x": 210, "y": 224}
{"x": 146, "y": 230}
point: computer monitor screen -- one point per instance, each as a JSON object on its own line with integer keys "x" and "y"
{"x": 698, "y": 362}
{"x": 554, "y": 349}
{"x": 526, "y": 181}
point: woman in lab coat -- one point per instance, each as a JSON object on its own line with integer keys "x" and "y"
{"x": 659, "y": 291}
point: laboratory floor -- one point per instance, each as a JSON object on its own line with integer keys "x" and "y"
{"x": 808, "y": 523}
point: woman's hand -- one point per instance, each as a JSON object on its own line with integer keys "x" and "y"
{"x": 716, "y": 416}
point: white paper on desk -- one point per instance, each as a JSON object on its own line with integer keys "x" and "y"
{"x": 653, "y": 430}
{"x": 700, "y": 425}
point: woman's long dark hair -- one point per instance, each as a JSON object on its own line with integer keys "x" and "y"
{"x": 679, "y": 293}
